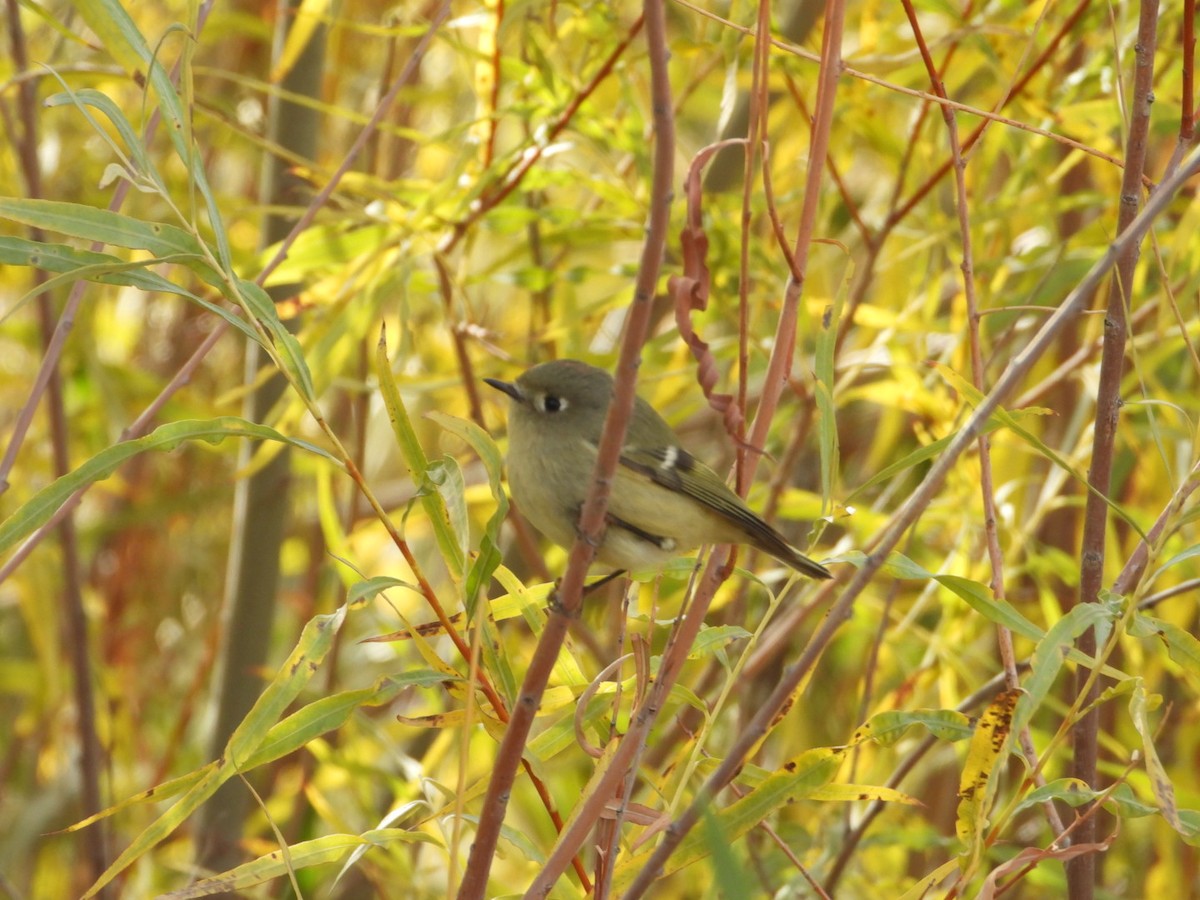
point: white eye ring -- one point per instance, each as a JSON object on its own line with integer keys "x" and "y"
{"x": 551, "y": 403}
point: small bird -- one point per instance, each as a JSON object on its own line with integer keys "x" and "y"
{"x": 664, "y": 502}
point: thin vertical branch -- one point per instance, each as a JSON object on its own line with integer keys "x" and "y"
{"x": 778, "y": 370}
{"x": 1004, "y": 638}
{"x": 495, "y": 71}
{"x": 1187, "y": 118}
{"x": 756, "y": 138}
{"x": 780, "y": 365}
{"x": 75, "y": 640}
{"x": 568, "y": 598}
{"x": 1081, "y": 871}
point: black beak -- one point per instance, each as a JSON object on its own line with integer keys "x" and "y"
{"x": 506, "y": 387}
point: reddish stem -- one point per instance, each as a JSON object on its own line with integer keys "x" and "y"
{"x": 1081, "y": 871}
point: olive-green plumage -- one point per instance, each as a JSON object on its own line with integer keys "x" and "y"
{"x": 664, "y": 502}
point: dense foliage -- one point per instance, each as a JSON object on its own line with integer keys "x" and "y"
{"x": 478, "y": 201}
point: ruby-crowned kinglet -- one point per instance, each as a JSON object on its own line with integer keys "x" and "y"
{"x": 664, "y": 501}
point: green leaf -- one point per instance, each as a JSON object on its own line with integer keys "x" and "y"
{"x": 329, "y": 713}
{"x": 886, "y": 728}
{"x": 304, "y": 855}
{"x": 489, "y": 550}
{"x": 121, "y": 37}
{"x": 979, "y": 597}
{"x": 1190, "y": 553}
{"x": 418, "y": 464}
{"x": 1075, "y": 793}
{"x": 714, "y": 638}
{"x": 93, "y": 224}
{"x": 250, "y": 734}
{"x": 824, "y": 384}
{"x": 71, "y": 265}
{"x": 315, "y": 641}
{"x": 41, "y": 506}
{"x": 1182, "y": 646}
{"x": 446, "y": 477}
{"x": 156, "y": 794}
{"x": 485, "y": 563}
{"x": 82, "y": 100}
{"x": 899, "y": 566}
{"x": 1050, "y": 653}
{"x": 1140, "y": 706}
{"x": 116, "y": 31}
{"x": 911, "y": 460}
{"x": 729, "y": 877}
{"x": 367, "y": 590}
{"x": 259, "y": 304}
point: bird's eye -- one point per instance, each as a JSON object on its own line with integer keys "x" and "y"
{"x": 553, "y": 404}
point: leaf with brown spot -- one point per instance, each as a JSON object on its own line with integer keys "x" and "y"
{"x": 976, "y": 785}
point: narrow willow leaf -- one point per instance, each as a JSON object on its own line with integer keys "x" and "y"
{"x": 886, "y": 728}
{"x": 291, "y": 355}
{"x": 446, "y": 477}
{"x": 1182, "y": 646}
{"x": 827, "y": 436}
{"x": 1050, "y": 654}
{"x": 729, "y": 877}
{"x": 86, "y": 99}
{"x": 250, "y": 734}
{"x": 117, "y": 33}
{"x": 367, "y": 590}
{"x": 414, "y": 458}
{"x": 714, "y": 638}
{"x": 1140, "y": 705}
{"x": 120, "y": 36}
{"x": 292, "y": 733}
{"x": 307, "y": 18}
{"x": 859, "y": 793}
{"x": 165, "y": 825}
{"x": 977, "y": 785}
{"x": 71, "y": 265}
{"x": 825, "y": 378}
{"x": 560, "y": 735}
{"x": 306, "y": 854}
{"x": 489, "y": 557}
{"x": 1072, "y": 791}
{"x": 980, "y": 598}
{"x": 912, "y": 460}
{"x": 315, "y": 641}
{"x": 330, "y": 713}
{"x": 1075, "y": 793}
{"x": 94, "y": 224}
{"x": 156, "y": 794}
{"x": 489, "y": 549}
{"x": 1189, "y": 553}
{"x": 923, "y": 888}
{"x": 42, "y": 505}
{"x": 521, "y": 600}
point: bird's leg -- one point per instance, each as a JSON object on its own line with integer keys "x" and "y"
{"x": 596, "y": 585}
